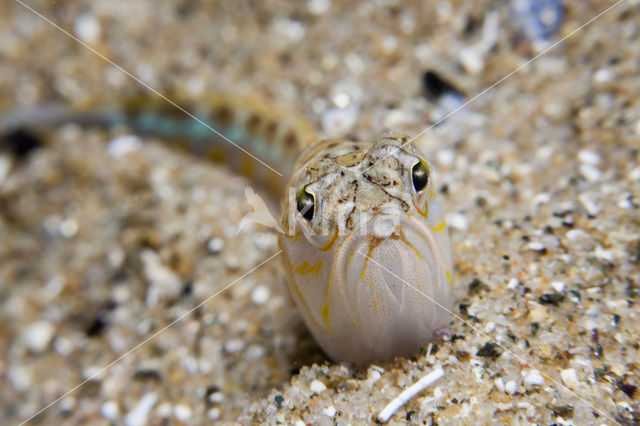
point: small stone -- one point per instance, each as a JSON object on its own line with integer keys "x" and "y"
{"x": 437, "y": 393}
{"x": 603, "y": 75}
{"x": 87, "y": 28}
{"x": 355, "y": 63}
{"x": 266, "y": 241}
{"x": 255, "y": 352}
{"x": 537, "y": 313}
{"x": 389, "y": 43}
{"x": 116, "y": 257}
{"x": 164, "y": 410}
{"x": 163, "y": 282}
{"x": 110, "y": 410}
{"x": 68, "y": 228}
{"x": 457, "y": 221}
{"x": 490, "y": 327}
{"x": 625, "y": 203}
{"x": 123, "y": 145}
{"x": 341, "y": 99}
{"x": 53, "y": 287}
{"x": 446, "y": 157}
{"x": 513, "y": 284}
{"x": 396, "y": 118}
{"x": 215, "y": 245}
{"x": 318, "y": 7}
{"x": 330, "y": 411}
{"x": 260, "y": 295}
{"x": 564, "y": 411}
{"x": 536, "y": 246}
{"x": 377, "y": 368}
{"x": 627, "y": 388}
{"x": 578, "y": 236}
{"x": 216, "y": 398}
{"x": 524, "y": 405}
{"x": 533, "y": 378}
{"x": 214, "y": 414}
{"x": 570, "y": 378}
{"x": 542, "y": 198}
{"x": 291, "y": 29}
{"x": 590, "y": 172}
{"x": 558, "y": 286}
{"x": 534, "y": 328}
{"x": 589, "y": 157}
{"x": 373, "y": 377}
{"x": 606, "y": 255}
{"x": 471, "y": 59}
{"x": 63, "y": 346}
{"x": 538, "y": 20}
{"x": 499, "y": 384}
{"x": 317, "y": 386}
{"x": 278, "y": 400}
{"x": 232, "y": 262}
{"x": 337, "y": 122}
{"x": 67, "y": 404}
{"x": 489, "y": 350}
{"x": 93, "y": 373}
{"x": 21, "y": 378}
{"x": 234, "y": 345}
{"x": 551, "y": 298}
{"x": 511, "y": 387}
{"x": 557, "y": 110}
{"x": 182, "y": 412}
{"x": 589, "y": 204}
{"x": 38, "y": 335}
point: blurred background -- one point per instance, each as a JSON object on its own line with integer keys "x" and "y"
{"x": 105, "y": 241}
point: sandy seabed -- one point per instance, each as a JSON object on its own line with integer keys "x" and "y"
{"x": 100, "y": 247}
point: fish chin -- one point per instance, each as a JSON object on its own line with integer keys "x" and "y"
{"x": 395, "y": 288}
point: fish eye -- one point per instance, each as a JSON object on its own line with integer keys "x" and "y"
{"x": 305, "y": 203}
{"x": 419, "y": 175}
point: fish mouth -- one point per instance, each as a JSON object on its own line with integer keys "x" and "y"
{"x": 396, "y": 283}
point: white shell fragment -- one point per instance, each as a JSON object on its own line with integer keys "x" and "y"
{"x": 337, "y": 122}
{"x": 589, "y": 204}
{"x": 138, "y": 416}
{"x": 122, "y": 145}
{"x": 458, "y": 221}
{"x": 38, "y": 335}
{"x": 570, "y": 378}
{"x": 110, "y": 410}
{"x": 260, "y": 295}
{"x": 330, "y": 411}
{"x": 406, "y": 395}
{"x": 317, "y": 386}
{"x": 558, "y": 286}
{"x": 533, "y": 378}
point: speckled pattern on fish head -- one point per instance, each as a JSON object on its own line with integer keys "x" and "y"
{"x": 365, "y": 236}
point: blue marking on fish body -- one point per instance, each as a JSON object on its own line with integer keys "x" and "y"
{"x": 237, "y": 134}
